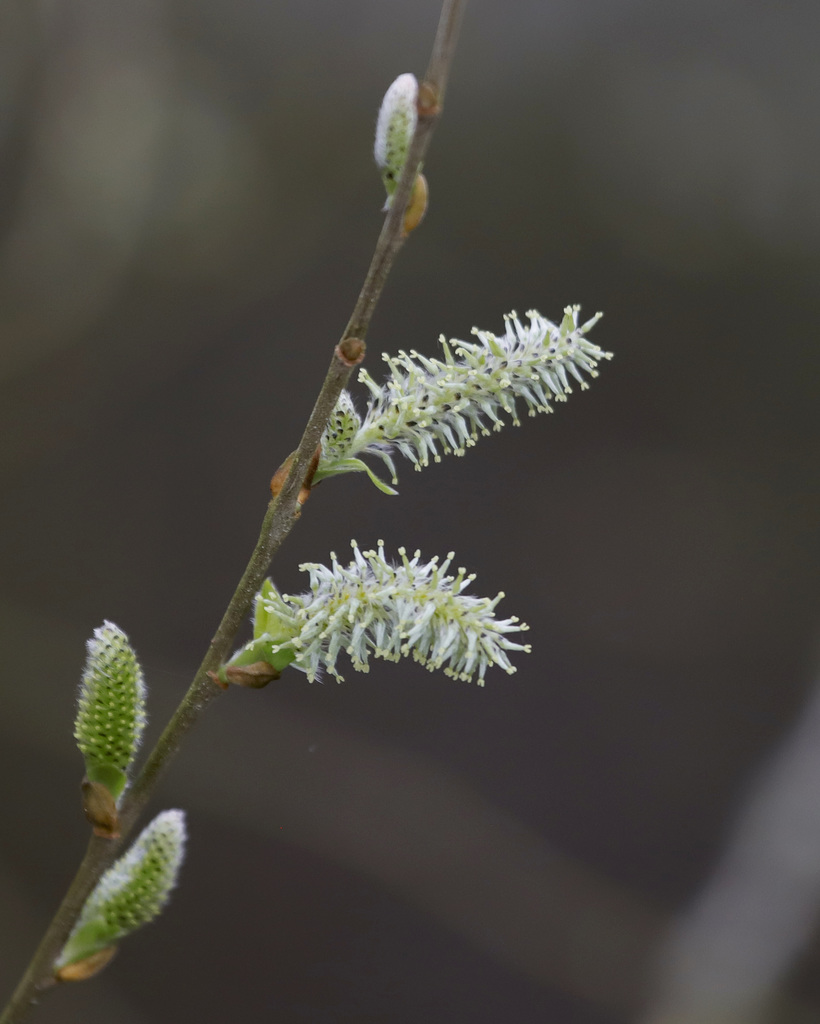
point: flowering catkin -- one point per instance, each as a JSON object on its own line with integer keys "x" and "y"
{"x": 428, "y": 407}
{"x": 372, "y": 607}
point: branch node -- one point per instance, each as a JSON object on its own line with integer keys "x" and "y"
{"x": 427, "y": 102}
{"x": 351, "y": 352}
{"x": 217, "y": 681}
{"x": 281, "y": 475}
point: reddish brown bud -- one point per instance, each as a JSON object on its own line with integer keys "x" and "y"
{"x": 417, "y": 207}
{"x": 80, "y": 970}
{"x": 257, "y": 675}
{"x": 351, "y": 351}
{"x": 281, "y": 475}
{"x": 100, "y": 809}
{"x": 427, "y": 101}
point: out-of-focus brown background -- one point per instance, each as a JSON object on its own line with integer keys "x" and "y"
{"x": 187, "y": 207}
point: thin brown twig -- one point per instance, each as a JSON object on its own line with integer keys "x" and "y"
{"x": 279, "y": 520}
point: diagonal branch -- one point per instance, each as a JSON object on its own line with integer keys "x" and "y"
{"x": 280, "y": 518}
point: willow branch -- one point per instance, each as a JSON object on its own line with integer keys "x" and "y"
{"x": 280, "y": 518}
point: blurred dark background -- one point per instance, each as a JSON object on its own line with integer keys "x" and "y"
{"x": 187, "y": 207}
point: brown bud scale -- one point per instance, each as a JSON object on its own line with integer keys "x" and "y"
{"x": 81, "y": 970}
{"x": 417, "y": 207}
{"x": 255, "y": 676}
{"x": 100, "y": 809}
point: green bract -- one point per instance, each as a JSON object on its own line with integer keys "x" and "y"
{"x": 132, "y": 892}
{"x": 111, "y": 714}
{"x": 432, "y": 406}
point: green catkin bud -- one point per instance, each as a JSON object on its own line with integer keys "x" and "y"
{"x": 339, "y": 439}
{"x": 374, "y": 608}
{"x": 111, "y": 713}
{"x": 395, "y": 127}
{"x": 342, "y": 427}
{"x": 428, "y": 407}
{"x": 131, "y": 893}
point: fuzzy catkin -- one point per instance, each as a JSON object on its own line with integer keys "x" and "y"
{"x": 134, "y": 889}
{"x": 111, "y": 707}
{"x": 374, "y": 608}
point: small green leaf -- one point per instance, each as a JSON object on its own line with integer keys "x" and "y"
{"x": 109, "y": 775}
{"x": 352, "y": 466}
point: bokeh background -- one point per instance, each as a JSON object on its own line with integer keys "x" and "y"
{"x": 629, "y": 827}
